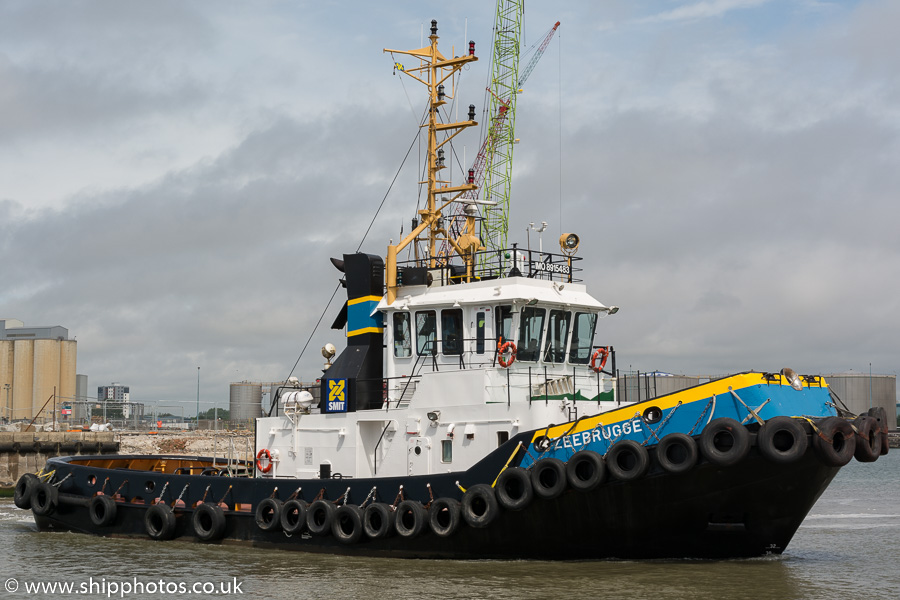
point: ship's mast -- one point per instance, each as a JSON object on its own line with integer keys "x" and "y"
{"x": 433, "y": 71}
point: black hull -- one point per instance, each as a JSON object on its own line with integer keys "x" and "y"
{"x": 749, "y": 509}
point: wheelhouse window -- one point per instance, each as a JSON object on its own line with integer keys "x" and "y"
{"x": 426, "y": 332}
{"x": 479, "y": 332}
{"x": 504, "y": 317}
{"x": 451, "y": 331}
{"x": 530, "y": 329}
{"x": 557, "y": 336}
{"x": 402, "y": 337}
{"x": 582, "y": 338}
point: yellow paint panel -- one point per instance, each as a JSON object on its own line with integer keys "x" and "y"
{"x": 365, "y": 330}
{"x": 364, "y": 299}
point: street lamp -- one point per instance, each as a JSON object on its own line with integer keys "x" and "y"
{"x": 198, "y": 399}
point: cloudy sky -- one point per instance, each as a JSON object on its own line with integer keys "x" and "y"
{"x": 175, "y": 175}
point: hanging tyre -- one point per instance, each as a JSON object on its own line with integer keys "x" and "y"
{"x": 208, "y": 522}
{"x": 102, "y": 510}
{"x": 513, "y": 489}
{"x": 479, "y": 505}
{"x": 868, "y": 439}
{"x": 585, "y": 470}
{"x": 44, "y": 499}
{"x": 410, "y": 519}
{"x": 724, "y": 442}
{"x": 782, "y": 440}
{"x": 268, "y": 514}
{"x": 347, "y": 524}
{"x": 835, "y": 442}
{"x": 293, "y": 516}
{"x": 378, "y": 520}
{"x": 548, "y": 477}
{"x": 318, "y": 517}
{"x": 444, "y": 517}
{"x": 627, "y": 460}
{"x": 881, "y": 416}
{"x": 677, "y": 453}
{"x": 24, "y": 489}
{"x": 159, "y": 522}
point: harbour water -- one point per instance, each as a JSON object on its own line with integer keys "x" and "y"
{"x": 847, "y": 548}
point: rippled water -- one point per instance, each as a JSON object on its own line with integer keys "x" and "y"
{"x": 845, "y": 549}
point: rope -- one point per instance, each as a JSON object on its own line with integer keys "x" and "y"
{"x": 181, "y": 495}
{"x": 223, "y": 495}
{"x": 275, "y": 491}
{"x": 712, "y": 402}
{"x": 161, "y": 494}
{"x": 661, "y": 425}
{"x": 118, "y": 489}
{"x": 344, "y": 497}
{"x": 399, "y": 497}
{"x": 370, "y": 496}
{"x": 430, "y": 495}
{"x": 508, "y": 460}
{"x": 296, "y": 493}
{"x": 461, "y": 487}
{"x": 320, "y": 495}
{"x": 205, "y": 492}
{"x": 59, "y": 483}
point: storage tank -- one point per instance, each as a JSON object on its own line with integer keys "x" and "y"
{"x": 68, "y": 351}
{"x": 6, "y": 376}
{"x": 245, "y": 401}
{"x": 860, "y": 392}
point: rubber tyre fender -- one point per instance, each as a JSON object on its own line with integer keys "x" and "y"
{"x": 378, "y": 520}
{"x": 782, "y": 440}
{"x": 347, "y": 524}
{"x": 881, "y": 415}
{"x": 293, "y": 516}
{"x": 585, "y": 471}
{"x": 411, "y": 519}
{"x": 677, "y": 453}
{"x": 479, "y": 506}
{"x": 159, "y": 522}
{"x": 44, "y": 499}
{"x": 268, "y": 514}
{"x": 548, "y": 478}
{"x": 835, "y": 443}
{"x": 102, "y": 510}
{"x": 513, "y": 489}
{"x": 24, "y": 489}
{"x": 868, "y": 439}
{"x": 444, "y": 516}
{"x": 724, "y": 442}
{"x": 319, "y": 516}
{"x": 208, "y": 522}
{"x": 627, "y": 460}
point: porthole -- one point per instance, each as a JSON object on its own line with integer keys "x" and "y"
{"x": 92, "y": 480}
{"x": 653, "y": 414}
{"x": 150, "y": 485}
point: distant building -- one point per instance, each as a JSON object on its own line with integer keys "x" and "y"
{"x": 35, "y": 363}
{"x": 116, "y": 399}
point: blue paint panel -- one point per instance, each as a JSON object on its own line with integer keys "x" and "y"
{"x": 691, "y": 418}
{"x": 359, "y": 316}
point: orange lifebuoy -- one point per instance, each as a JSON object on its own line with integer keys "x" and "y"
{"x": 503, "y": 349}
{"x": 604, "y": 351}
{"x": 264, "y": 453}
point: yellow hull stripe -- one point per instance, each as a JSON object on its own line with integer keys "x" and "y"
{"x": 364, "y": 299}
{"x": 700, "y": 392}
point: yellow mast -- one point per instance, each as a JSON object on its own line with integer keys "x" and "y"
{"x": 433, "y": 71}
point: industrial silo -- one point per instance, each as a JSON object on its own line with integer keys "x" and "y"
{"x": 245, "y": 401}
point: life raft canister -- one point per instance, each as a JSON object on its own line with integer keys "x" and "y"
{"x": 602, "y": 351}
{"x": 264, "y": 453}
{"x": 502, "y": 349}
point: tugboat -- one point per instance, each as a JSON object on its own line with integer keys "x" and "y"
{"x": 471, "y": 415}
